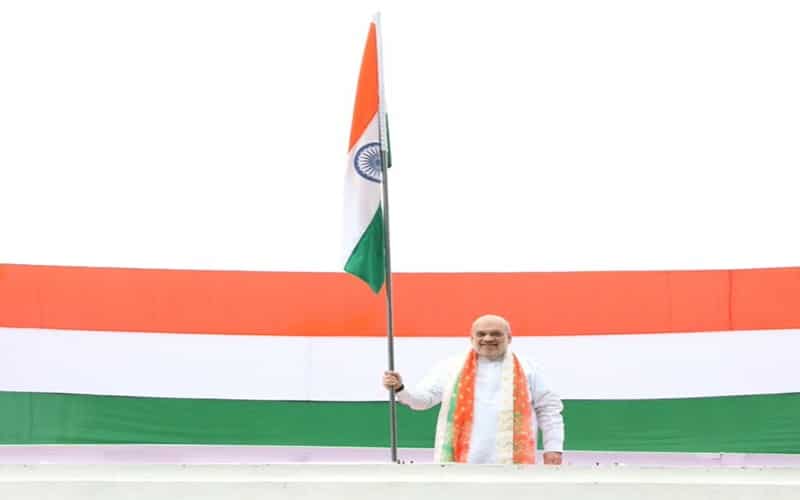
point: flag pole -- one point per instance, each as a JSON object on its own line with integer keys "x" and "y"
{"x": 387, "y": 259}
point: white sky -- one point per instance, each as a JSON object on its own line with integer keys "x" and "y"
{"x": 568, "y": 135}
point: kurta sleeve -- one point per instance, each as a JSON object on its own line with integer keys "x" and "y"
{"x": 547, "y": 406}
{"x": 428, "y": 392}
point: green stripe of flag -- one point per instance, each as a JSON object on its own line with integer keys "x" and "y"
{"x": 366, "y": 261}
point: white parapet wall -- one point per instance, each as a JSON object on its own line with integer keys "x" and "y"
{"x": 393, "y": 482}
{"x": 137, "y": 454}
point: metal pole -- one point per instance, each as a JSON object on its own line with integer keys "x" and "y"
{"x": 389, "y": 308}
{"x": 387, "y": 259}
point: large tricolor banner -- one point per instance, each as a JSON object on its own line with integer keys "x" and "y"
{"x": 651, "y": 361}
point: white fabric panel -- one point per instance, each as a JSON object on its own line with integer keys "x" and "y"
{"x": 151, "y": 364}
{"x": 349, "y": 368}
{"x": 643, "y": 366}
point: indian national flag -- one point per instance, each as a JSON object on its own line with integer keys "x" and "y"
{"x": 363, "y": 217}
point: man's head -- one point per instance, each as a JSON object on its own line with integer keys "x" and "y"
{"x": 490, "y": 336}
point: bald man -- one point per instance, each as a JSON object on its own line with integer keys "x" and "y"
{"x": 493, "y": 402}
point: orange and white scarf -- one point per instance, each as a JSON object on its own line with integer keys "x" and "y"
{"x": 515, "y": 440}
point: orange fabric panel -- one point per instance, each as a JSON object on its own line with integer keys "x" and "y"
{"x": 699, "y": 300}
{"x": 149, "y": 300}
{"x": 765, "y": 298}
{"x": 570, "y": 303}
{"x": 435, "y": 304}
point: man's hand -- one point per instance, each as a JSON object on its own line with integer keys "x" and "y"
{"x": 392, "y": 380}
{"x": 552, "y": 458}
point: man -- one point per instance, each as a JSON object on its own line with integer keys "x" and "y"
{"x": 492, "y": 402}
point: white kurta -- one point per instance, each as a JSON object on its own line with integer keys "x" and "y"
{"x": 488, "y": 392}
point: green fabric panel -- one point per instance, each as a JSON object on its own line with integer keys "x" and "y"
{"x": 745, "y": 424}
{"x": 69, "y": 418}
{"x": 367, "y": 259}
{"x": 16, "y": 417}
{"x": 755, "y": 424}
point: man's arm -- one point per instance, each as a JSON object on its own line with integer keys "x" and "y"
{"x": 424, "y": 395}
{"x": 548, "y": 407}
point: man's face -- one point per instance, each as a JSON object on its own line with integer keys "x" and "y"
{"x": 490, "y": 337}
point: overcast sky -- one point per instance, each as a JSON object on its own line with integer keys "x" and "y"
{"x": 568, "y": 135}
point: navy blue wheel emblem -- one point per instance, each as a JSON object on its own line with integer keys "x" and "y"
{"x": 367, "y": 162}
